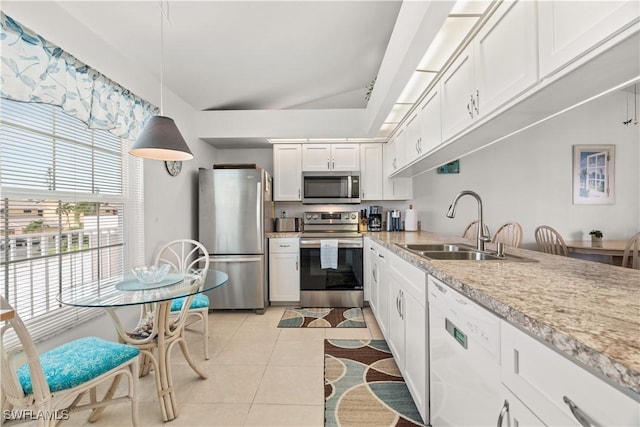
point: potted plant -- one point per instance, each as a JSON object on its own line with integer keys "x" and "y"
{"x": 596, "y": 237}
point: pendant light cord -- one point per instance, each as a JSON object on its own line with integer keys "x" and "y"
{"x": 163, "y": 15}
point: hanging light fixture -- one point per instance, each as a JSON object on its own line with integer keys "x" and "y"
{"x": 160, "y": 138}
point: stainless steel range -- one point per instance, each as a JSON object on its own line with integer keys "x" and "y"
{"x": 323, "y": 285}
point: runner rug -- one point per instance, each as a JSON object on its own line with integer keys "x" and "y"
{"x": 322, "y": 318}
{"x": 363, "y": 386}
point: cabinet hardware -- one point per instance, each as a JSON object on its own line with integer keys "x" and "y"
{"x": 328, "y": 165}
{"x": 584, "y": 419}
{"x": 476, "y": 103}
{"x": 298, "y": 193}
{"x": 381, "y": 256}
{"x": 285, "y": 246}
{"x": 516, "y": 361}
{"x": 504, "y": 411}
{"x": 371, "y": 248}
{"x": 469, "y": 104}
{"x": 296, "y": 263}
{"x": 333, "y": 164}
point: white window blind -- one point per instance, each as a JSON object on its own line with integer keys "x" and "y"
{"x": 71, "y": 210}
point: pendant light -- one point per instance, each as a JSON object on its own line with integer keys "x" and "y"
{"x": 160, "y": 138}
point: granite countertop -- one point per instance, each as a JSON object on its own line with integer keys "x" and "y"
{"x": 283, "y": 234}
{"x": 587, "y": 310}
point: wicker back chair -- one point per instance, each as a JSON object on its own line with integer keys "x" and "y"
{"x": 63, "y": 380}
{"x": 184, "y": 255}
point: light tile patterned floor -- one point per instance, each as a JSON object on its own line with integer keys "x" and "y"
{"x": 259, "y": 375}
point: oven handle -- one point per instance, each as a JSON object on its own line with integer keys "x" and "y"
{"x": 342, "y": 243}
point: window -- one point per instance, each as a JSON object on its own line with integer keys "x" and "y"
{"x": 71, "y": 205}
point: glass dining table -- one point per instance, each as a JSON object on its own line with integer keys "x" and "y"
{"x": 159, "y": 329}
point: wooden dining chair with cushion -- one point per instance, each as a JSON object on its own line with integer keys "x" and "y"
{"x": 184, "y": 255}
{"x": 550, "y": 241}
{"x": 471, "y": 232}
{"x": 631, "y": 255}
{"x": 509, "y": 233}
{"x": 51, "y": 385}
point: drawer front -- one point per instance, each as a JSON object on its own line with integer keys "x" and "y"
{"x": 546, "y": 381}
{"x": 284, "y": 245}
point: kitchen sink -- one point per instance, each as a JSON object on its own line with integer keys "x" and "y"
{"x": 438, "y": 247}
{"x": 471, "y": 255}
{"x": 456, "y": 252}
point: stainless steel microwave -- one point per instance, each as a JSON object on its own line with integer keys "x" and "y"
{"x": 330, "y": 187}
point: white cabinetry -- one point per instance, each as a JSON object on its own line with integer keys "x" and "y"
{"x": 284, "y": 270}
{"x": 371, "y": 171}
{"x": 546, "y": 382}
{"x": 330, "y": 157}
{"x": 412, "y": 138}
{"x": 407, "y": 333}
{"x": 569, "y": 29}
{"x": 400, "y": 188}
{"x": 287, "y": 174}
{"x": 375, "y": 261}
{"x": 430, "y": 122}
{"x": 497, "y": 65}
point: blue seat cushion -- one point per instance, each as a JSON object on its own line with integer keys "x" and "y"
{"x": 77, "y": 362}
{"x": 199, "y": 301}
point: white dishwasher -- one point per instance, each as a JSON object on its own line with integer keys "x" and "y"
{"x": 465, "y": 360}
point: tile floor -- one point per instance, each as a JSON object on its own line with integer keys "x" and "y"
{"x": 259, "y": 375}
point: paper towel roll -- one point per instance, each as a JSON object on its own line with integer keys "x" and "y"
{"x": 410, "y": 219}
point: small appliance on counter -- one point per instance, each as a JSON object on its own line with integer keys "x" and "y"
{"x": 285, "y": 225}
{"x": 394, "y": 220}
{"x": 375, "y": 218}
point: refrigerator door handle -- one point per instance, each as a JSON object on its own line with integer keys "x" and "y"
{"x": 234, "y": 259}
{"x": 259, "y": 209}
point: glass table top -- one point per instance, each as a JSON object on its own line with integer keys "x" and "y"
{"x": 112, "y": 293}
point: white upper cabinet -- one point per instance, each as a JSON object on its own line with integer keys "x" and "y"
{"x": 330, "y": 157}
{"x": 499, "y": 64}
{"x": 505, "y": 55}
{"x": 458, "y": 94}
{"x": 394, "y": 188}
{"x": 569, "y": 29}
{"x": 412, "y": 138}
{"x": 287, "y": 175}
{"x": 371, "y": 171}
{"x": 430, "y": 122}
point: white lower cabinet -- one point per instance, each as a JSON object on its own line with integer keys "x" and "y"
{"x": 284, "y": 270}
{"x": 375, "y": 264}
{"x": 514, "y": 413}
{"x": 557, "y": 390}
{"x": 407, "y": 330}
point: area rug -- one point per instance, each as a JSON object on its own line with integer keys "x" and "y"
{"x": 322, "y": 318}
{"x": 363, "y": 386}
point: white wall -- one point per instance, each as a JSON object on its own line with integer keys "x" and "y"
{"x": 528, "y": 178}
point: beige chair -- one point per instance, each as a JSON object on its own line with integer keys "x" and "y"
{"x": 631, "y": 256}
{"x": 63, "y": 380}
{"x": 185, "y": 255}
{"x": 471, "y": 232}
{"x": 550, "y": 241}
{"x": 509, "y": 233}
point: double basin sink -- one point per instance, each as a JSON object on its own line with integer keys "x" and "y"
{"x": 456, "y": 252}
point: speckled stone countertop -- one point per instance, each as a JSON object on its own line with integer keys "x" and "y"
{"x": 283, "y": 234}
{"x": 587, "y": 310}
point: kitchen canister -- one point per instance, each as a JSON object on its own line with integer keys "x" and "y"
{"x": 410, "y": 219}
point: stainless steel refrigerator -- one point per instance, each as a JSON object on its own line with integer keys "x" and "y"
{"x": 236, "y": 209}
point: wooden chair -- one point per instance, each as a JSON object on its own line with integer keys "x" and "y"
{"x": 631, "y": 256}
{"x": 471, "y": 232}
{"x": 550, "y": 241}
{"x": 184, "y": 255}
{"x": 509, "y": 233}
{"x": 54, "y": 384}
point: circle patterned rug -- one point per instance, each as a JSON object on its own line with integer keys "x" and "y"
{"x": 364, "y": 387}
{"x": 323, "y": 318}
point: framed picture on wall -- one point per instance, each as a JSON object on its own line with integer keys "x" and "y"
{"x": 593, "y": 174}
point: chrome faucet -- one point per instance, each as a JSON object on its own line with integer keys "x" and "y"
{"x": 481, "y": 238}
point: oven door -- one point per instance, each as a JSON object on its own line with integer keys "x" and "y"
{"x": 348, "y": 275}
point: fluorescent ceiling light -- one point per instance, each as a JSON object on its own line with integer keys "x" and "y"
{"x": 385, "y": 130}
{"x": 470, "y": 7}
{"x": 397, "y": 113}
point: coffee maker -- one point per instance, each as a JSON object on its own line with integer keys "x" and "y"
{"x": 375, "y": 218}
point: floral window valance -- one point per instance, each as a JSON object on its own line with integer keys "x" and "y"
{"x": 35, "y": 70}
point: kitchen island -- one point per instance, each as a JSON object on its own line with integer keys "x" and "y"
{"x": 588, "y": 311}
